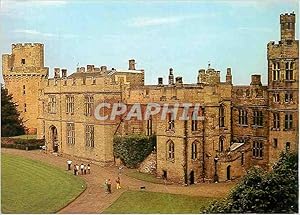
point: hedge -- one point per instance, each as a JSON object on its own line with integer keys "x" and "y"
{"x": 133, "y": 149}
{"x": 22, "y": 144}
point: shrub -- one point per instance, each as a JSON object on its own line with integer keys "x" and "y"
{"x": 264, "y": 192}
{"x": 133, "y": 149}
{"x": 22, "y": 144}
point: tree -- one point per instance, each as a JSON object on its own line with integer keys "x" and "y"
{"x": 11, "y": 122}
{"x": 264, "y": 192}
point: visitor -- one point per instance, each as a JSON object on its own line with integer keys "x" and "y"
{"x": 109, "y": 186}
{"x": 69, "y": 162}
{"x": 89, "y": 169}
{"x": 77, "y": 169}
{"x": 81, "y": 168}
{"x": 85, "y": 169}
{"x": 120, "y": 169}
{"x": 118, "y": 181}
{"x": 106, "y": 186}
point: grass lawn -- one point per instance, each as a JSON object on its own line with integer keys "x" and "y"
{"x": 145, "y": 177}
{"x": 152, "y": 202}
{"x": 30, "y": 186}
{"x": 25, "y": 136}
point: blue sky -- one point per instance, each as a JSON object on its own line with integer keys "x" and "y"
{"x": 184, "y": 35}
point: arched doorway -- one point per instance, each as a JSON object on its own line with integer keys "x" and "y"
{"x": 192, "y": 177}
{"x": 228, "y": 173}
{"x": 53, "y": 138}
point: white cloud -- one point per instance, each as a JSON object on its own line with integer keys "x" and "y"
{"x": 155, "y": 21}
{"x": 43, "y": 34}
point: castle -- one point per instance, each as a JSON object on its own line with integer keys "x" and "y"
{"x": 239, "y": 127}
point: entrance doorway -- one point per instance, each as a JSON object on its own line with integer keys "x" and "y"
{"x": 164, "y": 175}
{"x": 53, "y": 138}
{"x": 192, "y": 177}
{"x": 228, "y": 173}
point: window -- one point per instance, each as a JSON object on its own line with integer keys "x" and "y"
{"x": 275, "y": 143}
{"x": 288, "y": 97}
{"x": 276, "y": 97}
{"x": 242, "y": 159}
{"x": 51, "y": 104}
{"x": 194, "y": 150}
{"x": 276, "y": 120}
{"x": 71, "y": 133}
{"x": 257, "y": 150}
{"x": 287, "y": 146}
{"x": 194, "y": 122}
{"x": 288, "y": 121}
{"x": 23, "y": 61}
{"x": 243, "y": 117}
{"x": 149, "y": 126}
{"x": 25, "y": 108}
{"x": 93, "y": 80}
{"x": 276, "y": 71}
{"x": 289, "y": 70}
{"x": 24, "y": 92}
{"x": 258, "y": 118}
{"x": 89, "y": 135}
{"x": 221, "y": 144}
{"x": 221, "y": 116}
{"x": 70, "y": 104}
{"x": 89, "y": 105}
{"x": 171, "y": 149}
{"x": 171, "y": 123}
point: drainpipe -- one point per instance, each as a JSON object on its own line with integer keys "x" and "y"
{"x": 185, "y": 142}
{"x": 203, "y": 144}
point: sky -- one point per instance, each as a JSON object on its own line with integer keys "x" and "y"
{"x": 183, "y": 35}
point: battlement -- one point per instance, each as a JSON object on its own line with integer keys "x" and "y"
{"x": 26, "y": 45}
{"x": 288, "y": 18}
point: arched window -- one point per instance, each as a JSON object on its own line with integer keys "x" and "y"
{"x": 221, "y": 116}
{"x": 194, "y": 150}
{"x": 171, "y": 149}
{"x": 221, "y": 144}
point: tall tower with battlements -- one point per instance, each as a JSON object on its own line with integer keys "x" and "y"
{"x": 283, "y": 87}
{"x": 24, "y": 73}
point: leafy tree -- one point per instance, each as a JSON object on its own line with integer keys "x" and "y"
{"x": 133, "y": 149}
{"x": 264, "y": 192}
{"x": 11, "y": 123}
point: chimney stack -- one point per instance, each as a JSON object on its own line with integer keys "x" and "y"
{"x": 63, "y": 73}
{"x": 131, "y": 64}
{"x": 103, "y": 69}
{"x": 56, "y": 72}
{"x": 171, "y": 76}
{"x": 160, "y": 81}
{"x": 228, "y": 76}
{"x": 256, "y": 80}
{"x": 179, "y": 80}
{"x": 82, "y": 69}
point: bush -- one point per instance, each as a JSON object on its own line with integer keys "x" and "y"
{"x": 264, "y": 192}
{"x": 133, "y": 149}
{"x": 22, "y": 144}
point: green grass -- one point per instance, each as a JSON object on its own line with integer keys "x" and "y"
{"x": 30, "y": 186}
{"x": 152, "y": 202}
{"x": 145, "y": 177}
{"x": 25, "y": 136}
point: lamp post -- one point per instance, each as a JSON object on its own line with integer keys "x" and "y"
{"x": 216, "y": 177}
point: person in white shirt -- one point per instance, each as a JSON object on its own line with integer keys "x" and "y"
{"x": 69, "y": 162}
{"x": 81, "y": 168}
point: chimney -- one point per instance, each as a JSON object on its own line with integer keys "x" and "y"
{"x": 228, "y": 76}
{"x": 103, "y": 69}
{"x": 77, "y": 69}
{"x": 64, "y": 73}
{"x": 131, "y": 64}
{"x": 56, "y": 72}
{"x": 255, "y": 80}
{"x": 171, "y": 76}
{"x": 201, "y": 73}
{"x": 179, "y": 80}
{"x": 82, "y": 69}
{"x": 90, "y": 68}
{"x": 160, "y": 81}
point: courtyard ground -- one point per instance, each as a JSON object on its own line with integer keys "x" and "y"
{"x": 95, "y": 200}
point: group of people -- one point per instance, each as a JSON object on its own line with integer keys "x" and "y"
{"x": 107, "y": 185}
{"x": 83, "y": 168}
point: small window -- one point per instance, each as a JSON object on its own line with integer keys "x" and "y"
{"x": 24, "y": 91}
{"x": 287, "y": 146}
{"x": 242, "y": 159}
{"x": 221, "y": 144}
{"x": 288, "y": 97}
{"x": 194, "y": 151}
{"x": 23, "y": 61}
{"x": 25, "y": 110}
{"x": 275, "y": 143}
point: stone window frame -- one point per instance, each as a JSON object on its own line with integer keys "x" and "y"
{"x": 243, "y": 117}
{"x": 275, "y": 71}
{"x": 288, "y": 121}
{"x": 276, "y": 120}
{"x": 276, "y": 97}
{"x": 258, "y": 118}
{"x": 24, "y": 90}
{"x": 52, "y": 104}
{"x": 89, "y": 135}
{"x": 275, "y": 143}
{"x": 221, "y": 144}
{"x": 194, "y": 122}
{"x": 222, "y": 116}
{"x": 70, "y": 133}
{"x": 70, "y": 104}
{"x": 149, "y": 126}
{"x": 257, "y": 150}
{"x": 171, "y": 121}
{"x": 288, "y": 97}
{"x": 170, "y": 150}
{"x": 88, "y": 105}
{"x": 194, "y": 151}
{"x": 289, "y": 70}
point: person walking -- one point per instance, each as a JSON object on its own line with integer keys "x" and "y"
{"x": 106, "y": 186}
{"x": 85, "y": 168}
{"x": 109, "y": 186}
{"x": 118, "y": 181}
{"x": 75, "y": 170}
{"x": 69, "y": 162}
{"x": 89, "y": 169}
{"x": 81, "y": 168}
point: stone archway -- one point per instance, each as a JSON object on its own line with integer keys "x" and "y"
{"x": 53, "y": 138}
